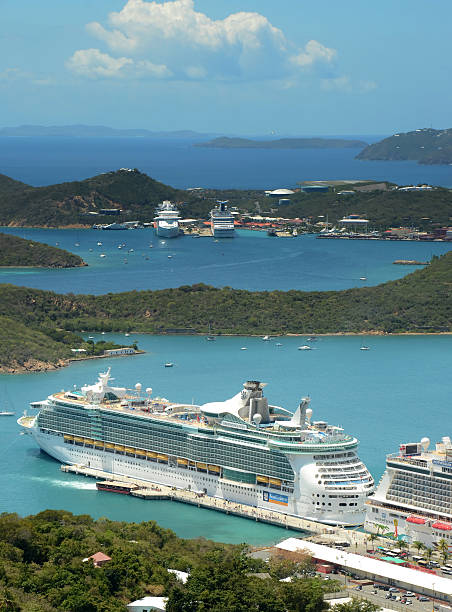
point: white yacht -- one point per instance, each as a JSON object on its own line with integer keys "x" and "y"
{"x": 167, "y": 220}
{"x": 414, "y": 497}
{"x": 242, "y": 449}
{"x": 222, "y": 221}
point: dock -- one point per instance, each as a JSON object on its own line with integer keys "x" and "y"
{"x": 152, "y": 491}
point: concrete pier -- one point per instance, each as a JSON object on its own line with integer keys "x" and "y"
{"x": 150, "y": 491}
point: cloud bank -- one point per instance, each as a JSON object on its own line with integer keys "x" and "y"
{"x": 171, "y": 40}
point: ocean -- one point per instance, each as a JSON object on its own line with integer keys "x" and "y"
{"x": 44, "y": 161}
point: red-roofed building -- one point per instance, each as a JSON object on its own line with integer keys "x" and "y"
{"x": 98, "y": 559}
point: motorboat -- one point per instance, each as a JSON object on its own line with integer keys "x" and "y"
{"x": 305, "y": 347}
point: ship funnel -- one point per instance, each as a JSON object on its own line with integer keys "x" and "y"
{"x": 425, "y": 442}
{"x": 308, "y": 414}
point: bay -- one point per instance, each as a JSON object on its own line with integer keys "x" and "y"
{"x": 45, "y": 161}
{"x": 252, "y": 260}
{"x": 397, "y": 392}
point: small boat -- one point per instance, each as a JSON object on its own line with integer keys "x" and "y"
{"x": 363, "y": 278}
{"x": 266, "y": 338}
{"x": 272, "y": 232}
{"x": 127, "y": 334}
{"x": 99, "y": 244}
{"x": 196, "y": 236}
{"x": 278, "y": 344}
{"x": 312, "y": 339}
{"x": 305, "y": 347}
{"x": 102, "y": 255}
{"x": 170, "y": 256}
{"x": 210, "y": 338}
{"x": 7, "y": 412}
{"x": 116, "y": 487}
{"x": 103, "y": 333}
{"x": 168, "y": 364}
{"x": 243, "y": 348}
{"x": 90, "y": 337}
{"x": 130, "y": 250}
{"x": 364, "y": 348}
{"x": 76, "y": 244}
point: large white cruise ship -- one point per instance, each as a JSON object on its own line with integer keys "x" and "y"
{"x": 414, "y": 496}
{"x": 241, "y": 449}
{"x": 167, "y": 220}
{"x": 222, "y": 222}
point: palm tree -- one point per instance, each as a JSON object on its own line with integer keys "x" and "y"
{"x": 418, "y": 546}
{"x": 443, "y": 549}
{"x": 428, "y": 552}
{"x": 372, "y": 537}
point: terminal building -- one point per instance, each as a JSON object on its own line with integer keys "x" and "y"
{"x": 420, "y": 582}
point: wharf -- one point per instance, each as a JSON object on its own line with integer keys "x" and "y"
{"x": 151, "y": 491}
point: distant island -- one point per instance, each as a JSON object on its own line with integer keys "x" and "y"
{"x": 225, "y": 142}
{"x": 91, "y": 131}
{"x": 19, "y": 252}
{"x": 426, "y": 146}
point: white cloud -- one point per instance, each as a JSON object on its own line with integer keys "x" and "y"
{"x": 176, "y": 40}
{"x": 93, "y": 63}
{"x": 345, "y": 83}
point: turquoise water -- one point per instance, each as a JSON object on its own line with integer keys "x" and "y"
{"x": 399, "y": 391}
{"x": 252, "y": 260}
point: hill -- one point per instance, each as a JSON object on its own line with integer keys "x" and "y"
{"x": 420, "y": 302}
{"x": 74, "y": 203}
{"x": 427, "y": 146}
{"x": 282, "y": 143}
{"x": 18, "y": 252}
{"x": 90, "y": 131}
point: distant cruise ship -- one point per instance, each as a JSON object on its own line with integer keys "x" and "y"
{"x": 167, "y": 220}
{"x": 414, "y": 496}
{"x": 241, "y": 449}
{"x": 222, "y": 222}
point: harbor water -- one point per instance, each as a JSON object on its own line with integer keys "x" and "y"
{"x": 398, "y": 391}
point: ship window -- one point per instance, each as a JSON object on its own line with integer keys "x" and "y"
{"x": 342, "y": 504}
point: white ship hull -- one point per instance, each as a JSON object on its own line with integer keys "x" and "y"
{"x": 167, "y": 230}
{"x": 219, "y": 231}
{"x": 299, "y": 503}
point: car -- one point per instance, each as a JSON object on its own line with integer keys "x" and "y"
{"x": 408, "y": 602}
{"x": 389, "y": 596}
{"x": 409, "y": 594}
{"x": 423, "y": 598}
{"x": 434, "y": 563}
{"x": 393, "y": 590}
{"x": 403, "y": 600}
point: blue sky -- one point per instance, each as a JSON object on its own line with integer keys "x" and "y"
{"x": 241, "y": 66}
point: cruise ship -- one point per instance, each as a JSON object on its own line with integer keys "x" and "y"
{"x": 167, "y": 220}
{"x": 242, "y": 449}
{"x": 221, "y": 221}
{"x": 414, "y": 497}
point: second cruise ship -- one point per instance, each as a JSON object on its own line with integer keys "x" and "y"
{"x": 241, "y": 449}
{"x": 222, "y": 221}
{"x": 414, "y": 497}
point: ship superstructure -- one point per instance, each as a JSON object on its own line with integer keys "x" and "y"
{"x": 241, "y": 449}
{"x": 167, "y": 220}
{"x": 222, "y": 221}
{"x": 414, "y": 496}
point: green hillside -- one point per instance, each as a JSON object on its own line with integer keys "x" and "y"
{"x": 18, "y": 252}
{"x": 427, "y": 146}
{"x": 71, "y": 203}
{"x": 421, "y": 302}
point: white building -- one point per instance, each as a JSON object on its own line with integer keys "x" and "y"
{"x": 126, "y": 350}
{"x": 148, "y": 604}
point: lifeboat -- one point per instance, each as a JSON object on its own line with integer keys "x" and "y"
{"x": 162, "y": 457}
{"x": 182, "y": 461}
{"x": 68, "y": 438}
{"x": 262, "y": 480}
{"x": 140, "y": 452}
{"x": 214, "y": 468}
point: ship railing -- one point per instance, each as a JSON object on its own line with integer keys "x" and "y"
{"x": 405, "y": 459}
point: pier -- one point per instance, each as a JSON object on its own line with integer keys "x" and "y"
{"x": 151, "y": 491}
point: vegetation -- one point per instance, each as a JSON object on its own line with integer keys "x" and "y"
{"x": 282, "y": 143}
{"x": 420, "y": 302}
{"x": 44, "y": 567}
{"x": 73, "y": 203}
{"x": 15, "y": 252}
{"x": 427, "y": 146}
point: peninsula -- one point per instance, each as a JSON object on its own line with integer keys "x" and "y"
{"x": 426, "y": 146}
{"x": 225, "y": 142}
{"x": 41, "y": 325}
{"x": 18, "y": 252}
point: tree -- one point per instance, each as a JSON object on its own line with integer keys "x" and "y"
{"x": 428, "y": 552}
{"x": 418, "y": 546}
{"x": 443, "y": 549}
{"x": 372, "y": 537}
{"x": 305, "y": 595}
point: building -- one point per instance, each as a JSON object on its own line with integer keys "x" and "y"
{"x": 110, "y": 211}
{"x": 314, "y": 188}
{"x": 416, "y": 580}
{"x": 126, "y": 350}
{"x": 148, "y": 604}
{"x": 98, "y": 559}
{"x": 279, "y": 193}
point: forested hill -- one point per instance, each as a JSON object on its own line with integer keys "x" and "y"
{"x": 71, "y": 203}
{"x": 282, "y": 143}
{"x": 421, "y": 302}
{"x": 18, "y": 252}
{"x": 427, "y": 146}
